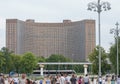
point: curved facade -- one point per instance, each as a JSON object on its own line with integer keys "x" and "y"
{"x": 71, "y": 39}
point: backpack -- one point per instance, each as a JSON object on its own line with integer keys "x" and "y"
{"x": 79, "y": 81}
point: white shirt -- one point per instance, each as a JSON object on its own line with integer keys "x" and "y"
{"x": 16, "y": 80}
{"x": 62, "y": 80}
{"x": 68, "y": 78}
{"x": 100, "y": 79}
{"x": 103, "y": 81}
{"x": 118, "y": 80}
{"x": 22, "y": 81}
{"x": 86, "y": 79}
{"x": 58, "y": 80}
{"x": 95, "y": 81}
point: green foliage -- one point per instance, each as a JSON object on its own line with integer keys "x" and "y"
{"x": 41, "y": 59}
{"x": 7, "y": 66}
{"x": 2, "y": 61}
{"x": 94, "y": 58}
{"x": 28, "y": 62}
{"x": 16, "y": 60}
{"x": 57, "y": 58}
{"x": 113, "y": 56}
{"x": 78, "y": 68}
{"x": 12, "y": 62}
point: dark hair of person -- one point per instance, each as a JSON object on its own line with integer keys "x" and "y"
{"x": 28, "y": 81}
{"x": 118, "y": 76}
{"x": 80, "y": 77}
{"x": 112, "y": 77}
{"x": 73, "y": 76}
{"x": 62, "y": 74}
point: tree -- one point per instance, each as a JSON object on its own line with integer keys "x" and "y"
{"x": 41, "y": 59}
{"x": 28, "y": 62}
{"x": 79, "y": 68}
{"x": 57, "y": 58}
{"x": 113, "y": 56}
{"x": 7, "y": 66}
{"x": 16, "y": 61}
{"x": 94, "y": 58}
{"x": 2, "y": 61}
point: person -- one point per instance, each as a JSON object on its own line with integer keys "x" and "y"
{"x": 95, "y": 80}
{"x": 48, "y": 80}
{"x": 23, "y": 79}
{"x": 16, "y": 80}
{"x": 80, "y": 80}
{"x": 103, "y": 81}
{"x": 92, "y": 80}
{"x": 58, "y": 79}
{"x": 31, "y": 82}
{"x": 41, "y": 81}
{"x": 12, "y": 82}
{"x": 9, "y": 79}
{"x": 86, "y": 79}
{"x": 62, "y": 79}
{"x": 53, "y": 79}
{"x": 27, "y": 81}
{"x": 73, "y": 79}
{"x": 67, "y": 79}
{"x": 34, "y": 82}
{"x": 100, "y": 80}
{"x": 118, "y": 79}
{"x": 112, "y": 80}
{"x": 6, "y": 80}
{"x": 2, "y": 81}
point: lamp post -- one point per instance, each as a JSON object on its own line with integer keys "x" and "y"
{"x": 116, "y": 33}
{"x": 99, "y": 7}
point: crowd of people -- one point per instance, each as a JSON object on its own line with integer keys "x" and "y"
{"x": 15, "y": 80}
{"x": 60, "y": 79}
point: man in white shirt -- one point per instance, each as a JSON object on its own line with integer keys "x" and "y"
{"x": 100, "y": 80}
{"x": 23, "y": 79}
{"x": 62, "y": 79}
{"x": 67, "y": 79}
{"x": 86, "y": 79}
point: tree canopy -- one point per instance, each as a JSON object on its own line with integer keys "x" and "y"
{"x": 94, "y": 58}
{"x": 57, "y": 58}
{"x": 7, "y": 61}
{"x": 28, "y": 62}
{"x": 113, "y": 56}
{"x": 25, "y": 63}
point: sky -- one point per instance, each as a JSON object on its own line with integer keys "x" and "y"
{"x": 56, "y": 11}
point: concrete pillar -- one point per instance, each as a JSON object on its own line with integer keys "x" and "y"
{"x": 85, "y": 69}
{"x": 41, "y": 69}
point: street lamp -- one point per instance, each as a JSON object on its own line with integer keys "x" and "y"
{"x": 116, "y": 33}
{"x": 99, "y": 7}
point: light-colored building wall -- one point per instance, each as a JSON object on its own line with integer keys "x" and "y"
{"x": 71, "y": 39}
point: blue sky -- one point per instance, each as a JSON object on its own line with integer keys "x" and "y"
{"x": 56, "y": 11}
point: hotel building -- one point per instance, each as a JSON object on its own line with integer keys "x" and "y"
{"x": 75, "y": 40}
